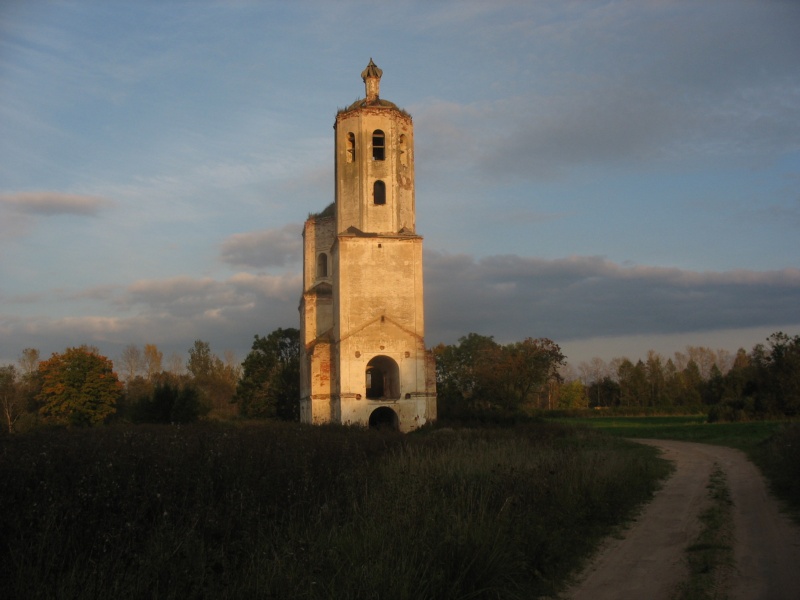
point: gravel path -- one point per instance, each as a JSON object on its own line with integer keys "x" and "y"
{"x": 649, "y": 561}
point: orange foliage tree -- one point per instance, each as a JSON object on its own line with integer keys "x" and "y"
{"x": 79, "y": 387}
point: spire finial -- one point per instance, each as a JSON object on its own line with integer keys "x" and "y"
{"x": 372, "y": 81}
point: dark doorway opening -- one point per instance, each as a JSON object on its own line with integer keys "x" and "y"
{"x": 384, "y": 418}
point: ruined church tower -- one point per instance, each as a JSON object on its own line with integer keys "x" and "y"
{"x": 362, "y": 322}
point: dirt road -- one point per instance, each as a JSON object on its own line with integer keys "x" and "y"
{"x": 648, "y": 563}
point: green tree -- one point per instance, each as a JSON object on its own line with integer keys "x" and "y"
{"x": 478, "y": 374}
{"x": 713, "y": 389}
{"x": 572, "y": 395}
{"x": 464, "y": 373}
{"x": 169, "y": 403}
{"x": 776, "y": 384}
{"x": 604, "y": 393}
{"x": 656, "y": 380}
{"x": 215, "y": 379}
{"x": 525, "y": 369}
{"x": 634, "y": 389}
{"x": 201, "y": 360}
{"x": 741, "y": 375}
{"x": 270, "y": 382}
{"x": 79, "y": 387}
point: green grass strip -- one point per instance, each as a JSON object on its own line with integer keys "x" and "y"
{"x": 710, "y": 557}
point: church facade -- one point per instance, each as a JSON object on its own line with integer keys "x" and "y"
{"x": 362, "y": 321}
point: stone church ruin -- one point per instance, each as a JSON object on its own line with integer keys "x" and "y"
{"x": 362, "y": 322}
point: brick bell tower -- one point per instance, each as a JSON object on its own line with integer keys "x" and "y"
{"x": 361, "y": 315}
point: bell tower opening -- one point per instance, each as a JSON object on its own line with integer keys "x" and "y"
{"x": 378, "y": 145}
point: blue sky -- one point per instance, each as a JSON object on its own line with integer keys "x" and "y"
{"x": 617, "y": 176}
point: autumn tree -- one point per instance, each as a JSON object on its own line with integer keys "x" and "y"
{"x": 270, "y": 382}
{"x": 79, "y": 387}
{"x": 153, "y": 358}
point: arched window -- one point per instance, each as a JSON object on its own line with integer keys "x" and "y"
{"x": 322, "y": 265}
{"x": 351, "y": 147}
{"x": 378, "y": 145}
{"x": 379, "y": 192}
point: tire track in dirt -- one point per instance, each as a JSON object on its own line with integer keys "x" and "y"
{"x": 648, "y": 563}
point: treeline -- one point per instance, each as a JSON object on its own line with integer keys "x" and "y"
{"x": 762, "y": 382}
{"x": 80, "y": 386}
{"x": 476, "y": 378}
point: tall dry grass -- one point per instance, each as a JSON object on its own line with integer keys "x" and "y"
{"x": 286, "y": 511}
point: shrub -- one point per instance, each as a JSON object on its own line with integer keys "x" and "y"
{"x": 169, "y": 404}
{"x": 733, "y": 411}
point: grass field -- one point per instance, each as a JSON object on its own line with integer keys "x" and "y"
{"x": 772, "y": 445}
{"x": 286, "y": 511}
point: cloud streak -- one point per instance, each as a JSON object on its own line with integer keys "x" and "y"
{"x": 49, "y": 203}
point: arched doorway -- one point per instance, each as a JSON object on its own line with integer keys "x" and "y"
{"x": 384, "y": 418}
{"x": 382, "y": 379}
